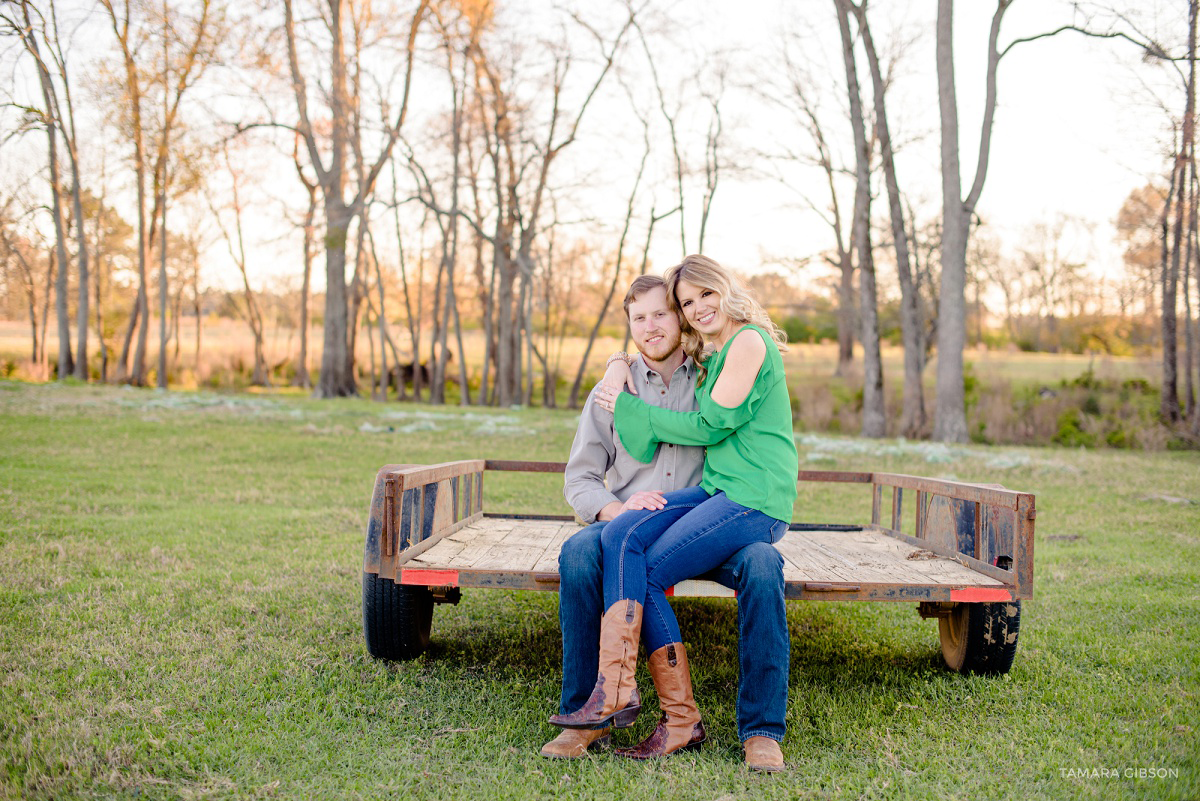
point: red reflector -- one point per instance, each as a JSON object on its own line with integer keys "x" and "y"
{"x": 980, "y": 594}
{"x": 430, "y": 578}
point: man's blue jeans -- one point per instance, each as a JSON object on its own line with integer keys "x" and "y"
{"x": 755, "y": 573}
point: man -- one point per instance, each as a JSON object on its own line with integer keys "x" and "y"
{"x": 663, "y": 376}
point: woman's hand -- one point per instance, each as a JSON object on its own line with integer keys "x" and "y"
{"x": 618, "y": 375}
{"x": 606, "y": 397}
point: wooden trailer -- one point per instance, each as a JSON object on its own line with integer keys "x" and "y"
{"x": 968, "y": 561}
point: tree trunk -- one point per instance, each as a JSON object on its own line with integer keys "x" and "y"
{"x": 337, "y": 361}
{"x": 1169, "y": 409}
{"x": 141, "y": 312}
{"x": 162, "y": 286}
{"x": 1189, "y": 334}
{"x": 196, "y": 307}
{"x": 845, "y": 315}
{"x": 950, "y": 416}
{"x": 44, "y": 359}
{"x": 30, "y": 288}
{"x": 66, "y": 364}
{"x": 913, "y": 419}
{"x": 81, "y": 310}
{"x": 357, "y": 293}
{"x": 874, "y": 421}
{"x": 337, "y": 368}
{"x": 302, "y": 378}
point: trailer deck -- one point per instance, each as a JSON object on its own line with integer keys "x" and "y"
{"x": 522, "y": 553}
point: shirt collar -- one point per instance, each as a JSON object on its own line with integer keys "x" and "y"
{"x": 688, "y": 367}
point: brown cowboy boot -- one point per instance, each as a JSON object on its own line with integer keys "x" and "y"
{"x": 574, "y": 743}
{"x": 679, "y": 728}
{"x": 614, "y": 700}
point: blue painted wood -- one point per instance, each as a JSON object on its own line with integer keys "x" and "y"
{"x": 407, "y": 506}
{"x": 431, "y": 493}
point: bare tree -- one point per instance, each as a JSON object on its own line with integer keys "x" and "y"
{"x": 519, "y": 202}
{"x": 874, "y": 421}
{"x": 65, "y": 119}
{"x": 1189, "y": 330}
{"x": 17, "y": 249}
{"x": 713, "y": 144}
{"x": 50, "y": 117}
{"x": 302, "y": 378}
{"x": 950, "y": 418}
{"x": 669, "y": 116}
{"x": 1169, "y": 408}
{"x": 137, "y": 83}
{"x": 337, "y": 358}
{"x": 913, "y": 419}
{"x": 235, "y": 242}
{"x": 797, "y": 97}
{"x": 577, "y": 384}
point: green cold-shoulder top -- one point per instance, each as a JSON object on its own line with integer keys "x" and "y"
{"x": 751, "y": 455}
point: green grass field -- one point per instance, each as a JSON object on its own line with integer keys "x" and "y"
{"x": 180, "y": 618}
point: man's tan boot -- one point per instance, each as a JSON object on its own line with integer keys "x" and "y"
{"x": 763, "y": 754}
{"x": 574, "y": 743}
{"x": 614, "y": 700}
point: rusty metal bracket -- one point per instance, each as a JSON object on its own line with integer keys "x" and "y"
{"x": 928, "y": 609}
{"x": 389, "y": 516}
{"x": 446, "y": 594}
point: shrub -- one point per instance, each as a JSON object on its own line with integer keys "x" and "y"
{"x": 1071, "y": 430}
{"x": 1118, "y": 438}
{"x": 970, "y": 385}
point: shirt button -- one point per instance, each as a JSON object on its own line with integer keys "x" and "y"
{"x": 669, "y": 445}
{"x": 662, "y": 392}
{"x": 668, "y": 474}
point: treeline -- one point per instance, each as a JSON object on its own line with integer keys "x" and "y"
{"x": 449, "y": 165}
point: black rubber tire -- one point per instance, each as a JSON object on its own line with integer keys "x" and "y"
{"x": 396, "y": 618}
{"x": 981, "y": 637}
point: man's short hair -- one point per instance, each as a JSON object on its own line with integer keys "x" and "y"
{"x": 640, "y": 285}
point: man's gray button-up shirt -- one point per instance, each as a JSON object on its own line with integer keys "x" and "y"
{"x": 600, "y": 470}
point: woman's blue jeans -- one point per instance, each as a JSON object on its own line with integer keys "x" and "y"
{"x": 646, "y": 552}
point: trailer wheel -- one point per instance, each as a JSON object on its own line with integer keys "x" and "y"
{"x": 981, "y": 637}
{"x": 396, "y": 618}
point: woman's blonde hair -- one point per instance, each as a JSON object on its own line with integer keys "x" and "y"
{"x": 736, "y": 301}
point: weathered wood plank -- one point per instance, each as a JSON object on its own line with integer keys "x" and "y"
{"x": 510, "y": 558}
{"x": 979, "y": 493}
{"x": 548, "y": 561}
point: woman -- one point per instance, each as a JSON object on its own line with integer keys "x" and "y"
{"x": 745, "y": 496}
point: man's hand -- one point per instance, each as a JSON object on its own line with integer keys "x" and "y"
{"x": 647, "y": 499}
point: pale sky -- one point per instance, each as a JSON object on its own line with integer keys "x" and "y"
{"x": 1074, "y": 132}
{"x": 1076, "y": 129}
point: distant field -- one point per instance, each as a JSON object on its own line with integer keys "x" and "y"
{"x": 1013, "y": 397}
{"x": 225, "y": 340}
{"x": 180, "y": 597}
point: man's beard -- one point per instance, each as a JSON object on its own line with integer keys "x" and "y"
{"x": 661, "y": 349}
